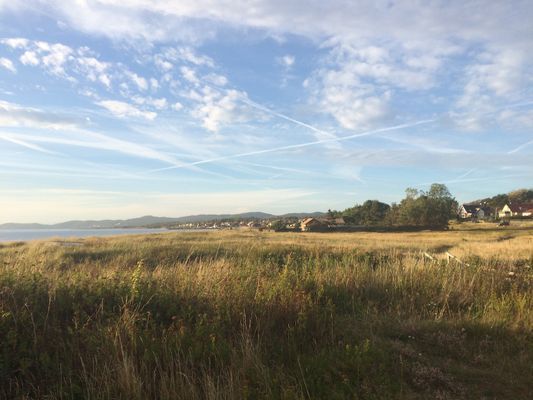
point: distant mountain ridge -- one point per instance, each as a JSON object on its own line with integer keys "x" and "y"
{"x": 151, "y": 221}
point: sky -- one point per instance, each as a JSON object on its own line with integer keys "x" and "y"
{"x": 117, "y": 109}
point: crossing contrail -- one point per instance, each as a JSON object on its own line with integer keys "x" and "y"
{"x": 298, "y": 145}
{"x": 285, "y": 117}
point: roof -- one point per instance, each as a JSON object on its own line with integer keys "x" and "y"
{"x": 311, "y": 220}
{"x": 474, "y": 208}
{"x": 471, "y": 208}
{"x": 519, "y": 208}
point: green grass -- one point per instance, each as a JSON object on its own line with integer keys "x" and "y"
{"x": 261, "y": 315}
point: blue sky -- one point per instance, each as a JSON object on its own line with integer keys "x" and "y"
{"x": 116, "y": 109}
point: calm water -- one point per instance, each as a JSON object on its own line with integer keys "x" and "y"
{"x": 8, "y": 235}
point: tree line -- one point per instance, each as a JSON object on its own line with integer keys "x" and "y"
{"x": 516, "y": 196}
{"x": 433, "y": 208}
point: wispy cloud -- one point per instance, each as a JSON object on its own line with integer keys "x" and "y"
{"x": 124, "y": 110}
{"x": 7, "y": 64}
{"x": 16, "y": 115}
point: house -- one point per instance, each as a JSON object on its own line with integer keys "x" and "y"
{"x": 254, "y": 224}
{"x": 336, "y": 221}
{"x": 474, "y": 211}
{"x": 313, "y": 224}
{"x": 516, "y": 210}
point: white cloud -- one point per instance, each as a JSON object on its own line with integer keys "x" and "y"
{"x": 29, "y": 58}
{"x": 56, "y": 56}
{"x": 141, "y": 83}
{"x": 287, "y": 61}
{"x": 92, "y": 65}
{"x": 219, "y": 108}
{"x": 123, "y": 110}
{"x": 154, "y": 84}
{"x": 159, "y": 104}
{"x": 190, "y": 75}
{"x": 516, "y": 119}
{"x": 7, "y": 64}
{"x": 216, "y": 79}
{"x": 389, "y": 46}
{"x": 15, "y": 115}
{"x": 353, "y": 103}
{"x": 404, "y": 21}
{"x": 177, "y": 106}
{"x": 378, "y": 49}
{"x": 497, "y": 75}
{"x": 52, "y": 56}
{"x": 94, "y": 70}
{"x": 163, "y": 64}
{"x": 15, "y": 43}
{"x": 104, "y": 78}
{"x": 189, "y": 55}
{"x": 359, "y": 80}
{"x": 79, "y": 65}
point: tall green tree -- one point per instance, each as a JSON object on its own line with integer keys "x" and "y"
{"x": 371, "y": 212}
{"x": 433, "y": 208}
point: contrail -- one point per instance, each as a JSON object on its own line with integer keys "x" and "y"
{"x": 285, "y": 117}
{"x": 10, "y": 138}
{"x": 490, "y": 178}
{"x": 520, "y": 147}
{"x": 494, "y": 111}
{"x": 104, "y": 142}
{"x": 298, "y": 146}
{"x": 462, "y": 176}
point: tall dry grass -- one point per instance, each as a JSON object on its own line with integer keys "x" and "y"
{"x": 231, "y": 315}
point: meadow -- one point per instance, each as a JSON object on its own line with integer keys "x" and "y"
{"x": 260, "y": 315}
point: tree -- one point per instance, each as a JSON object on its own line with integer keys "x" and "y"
{"x": 441, "y": 205}
{"x": 521, "y": 196}
{"x": 371, "y": 212}
{"x": 434, "y": 208}
{"x": 334, "y": 213}
{"x": 392, "y": 216}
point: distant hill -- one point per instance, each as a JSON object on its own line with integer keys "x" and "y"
{"x": 516, "y": 196}
{"x": 151, "y": 221}
{"x": 242, "y": 216}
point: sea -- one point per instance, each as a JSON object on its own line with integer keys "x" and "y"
{"x": 16, "y": 235}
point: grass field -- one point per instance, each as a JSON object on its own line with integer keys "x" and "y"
{"x": 245, "y": 314}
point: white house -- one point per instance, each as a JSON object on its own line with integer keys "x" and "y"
{"x": 516, "y": 210}
{"x": 474, "y": 211}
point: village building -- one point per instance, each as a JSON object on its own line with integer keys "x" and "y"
{"x": 313, "y": 224}
{"x": 474, "y": 211}
{"x": 516, "y": 210}
{"x": 336, "y": 221}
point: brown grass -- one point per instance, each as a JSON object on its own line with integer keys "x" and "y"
{"x": 247, "y": 314}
